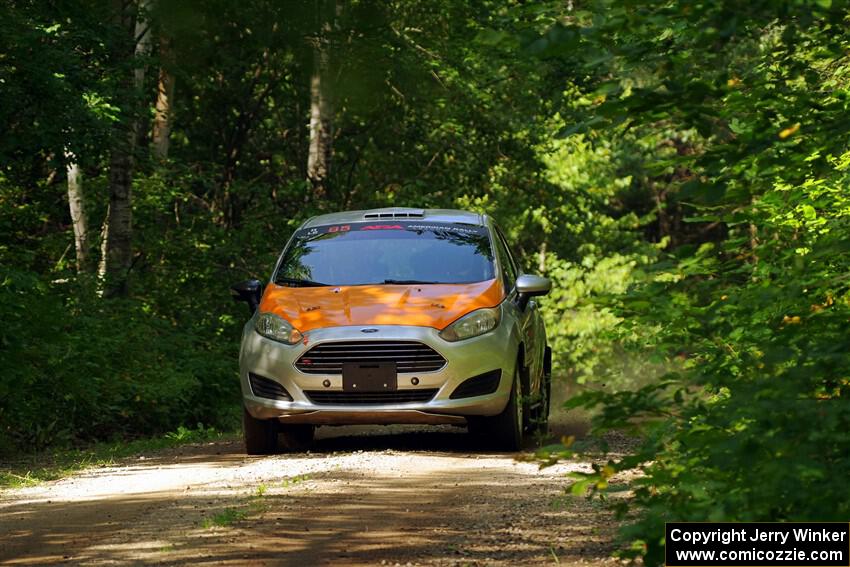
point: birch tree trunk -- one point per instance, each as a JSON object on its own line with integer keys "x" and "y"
{"x": 164, "y": 104}
{"x": 321, "y": 136}
{"x": 116, "y": 247}
{"x": 321, "y": 116}
{"x": 142, "y": 39}
{"x": 79, "y": 220}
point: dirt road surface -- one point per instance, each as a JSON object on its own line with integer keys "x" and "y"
{"x": 362, "y": 496}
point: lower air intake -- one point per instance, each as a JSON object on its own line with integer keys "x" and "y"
{"x": 480, "y": 385}
{"x": 266, "y": 388}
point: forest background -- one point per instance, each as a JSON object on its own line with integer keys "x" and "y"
{"x": 679, "y": 169}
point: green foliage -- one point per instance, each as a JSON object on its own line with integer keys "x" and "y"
{"x": 746, "y": 306}
{"x": 53, "y": 83}
{"x": 591, "y": 252}
{"x": 679, "y": 169}
{"x": 440, "y": 121}
{"x": 225, "y": 518}
{"x": 102, "y": 369}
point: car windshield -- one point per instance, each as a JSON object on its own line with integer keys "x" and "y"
{"x": 387, "y": 253}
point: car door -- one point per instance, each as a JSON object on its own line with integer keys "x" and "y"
{"x": 531, "y": 326}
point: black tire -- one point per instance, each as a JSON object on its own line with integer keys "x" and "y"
{"x": 540, "y": 415}
{"x": 296, "y": 437}
{"x": 505, "y": 430}
{"x": 539, "y": 424}
{"x": 260, "y": 435}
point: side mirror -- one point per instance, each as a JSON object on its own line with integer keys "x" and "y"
{"x": 249, "y": 291}
{"x": 528, "y": 286}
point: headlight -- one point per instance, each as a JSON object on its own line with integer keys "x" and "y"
{"x": 476, "y": 323}
{"x": 277, "y": 328}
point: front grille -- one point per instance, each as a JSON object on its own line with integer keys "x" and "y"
{"x": 266, "y": 388}
{"x": 370, "y": 398}
{"x": 480, "y": 385}
{"x": 409, "y": 356}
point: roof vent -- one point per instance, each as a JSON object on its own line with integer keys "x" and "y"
{"x": 395, "y": 214}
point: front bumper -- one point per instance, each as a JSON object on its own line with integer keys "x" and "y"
{"x": 464, "y": 359}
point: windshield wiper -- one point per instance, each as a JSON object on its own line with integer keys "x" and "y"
{"x": 297, "y": 282}
{"x": 408, "y": 282}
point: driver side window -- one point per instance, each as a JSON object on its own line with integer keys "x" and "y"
{"x": 509, "y": 269}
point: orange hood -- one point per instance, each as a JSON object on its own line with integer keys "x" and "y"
{"x": 433, "y": 305}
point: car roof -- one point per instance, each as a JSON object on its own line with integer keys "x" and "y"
{"x": 397, "y": 213}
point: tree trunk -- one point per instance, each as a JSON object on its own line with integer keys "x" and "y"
{"x": 142, "y": 53}
{"x": 116, "y": 248}
{"x": 321, "y": 123}
{"x": 142, "y": 41}
{"x": 164, "y": 104}
{"x": 79, "y": 220}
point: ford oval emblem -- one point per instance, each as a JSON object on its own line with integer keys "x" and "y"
{"x": 368, "y": 330}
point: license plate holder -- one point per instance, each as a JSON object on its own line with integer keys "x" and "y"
{"x": 369, "y": 377}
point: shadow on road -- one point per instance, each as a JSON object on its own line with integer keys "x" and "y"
{"x": 442, "y": 439}
{"x": 363, "y": 496}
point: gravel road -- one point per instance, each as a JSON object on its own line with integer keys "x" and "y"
{"x": 362, "y": 496}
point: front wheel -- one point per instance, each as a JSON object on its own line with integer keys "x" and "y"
{"x": 260, "y": 435}
{"x": 539, "y": 422}
{"x": 504, "y": 429}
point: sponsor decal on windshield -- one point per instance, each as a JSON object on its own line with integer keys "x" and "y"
{"x": 418, "y": 227}
{"x": 450, "y": 227}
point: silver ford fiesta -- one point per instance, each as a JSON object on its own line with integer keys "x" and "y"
{"x": 394, "y": 316}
